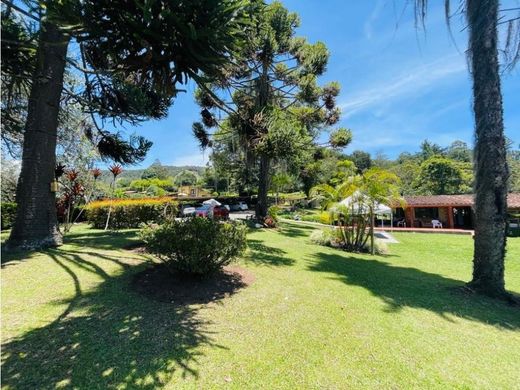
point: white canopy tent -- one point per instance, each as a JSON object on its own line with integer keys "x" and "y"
{"x": 360, "y": 204}
{"x": 212, "y": 202}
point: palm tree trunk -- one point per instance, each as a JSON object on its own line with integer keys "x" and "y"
{"x": 36, "y": 224}
{"x": 491, "y": 171}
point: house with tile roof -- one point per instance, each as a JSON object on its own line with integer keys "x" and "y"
{"x": 453, "y": 211}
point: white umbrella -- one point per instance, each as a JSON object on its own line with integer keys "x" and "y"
{"x": 212, "y": 202}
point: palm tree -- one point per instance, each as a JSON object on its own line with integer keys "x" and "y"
{"x": 490, "y": 165}
{"x": 375, "y": 186}
{"x": 379, "y": 187}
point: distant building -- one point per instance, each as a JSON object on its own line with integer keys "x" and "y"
{"x": 192, "y": 192}
{"x": 453, "y": 211}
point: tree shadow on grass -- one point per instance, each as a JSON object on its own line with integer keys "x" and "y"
{"x": 95, "y": 239}
{"x": 403, "y": 287}
{"x": 101, "y": 239}
{"x": 107, "y": 337}
{"x": 292, "y": 230}
{"x": 261, "y": 254}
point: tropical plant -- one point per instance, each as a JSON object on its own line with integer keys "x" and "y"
{"x": 72, "y": 193}
{"x": 352, "y": 205}
{"x": 379, "y": 187}
{"x": 116, "y": 170}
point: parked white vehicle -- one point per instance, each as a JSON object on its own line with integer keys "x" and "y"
{"x": 242, "y": 206}
{"x": 187, "y": 211}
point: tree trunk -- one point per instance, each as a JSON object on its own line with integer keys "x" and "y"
{"x": 372, "y": 251}
{"x": 263, "y": 187}
{"x": 491, "y": 171}
{"x": 36, "y": 224}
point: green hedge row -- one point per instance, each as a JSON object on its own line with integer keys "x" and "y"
{"x": 130, "y": 213}
{"x": 8, "y": 210}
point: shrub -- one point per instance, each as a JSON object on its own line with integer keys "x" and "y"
{"x": 327, "y": 237}
{"x": 272, "y": 212}
{"x": 324, "y": 218}
{"x": 333, "y": 237}
{"x": 380, "y": 247}
{"x": 8, "y": 211}
{"x": 130, "y": 213}
{"x": 196, "y": 246}
{"x": 321, "y": 237}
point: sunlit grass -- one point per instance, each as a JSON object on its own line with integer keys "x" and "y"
{"x": 314, "y": 318}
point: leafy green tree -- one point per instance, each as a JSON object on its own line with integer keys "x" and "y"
{"x": 320, "y": 168}
{"x": 491, "y": 171}
{"x": 155, "y": 171}
{"x": 144, "y": 184}
{"x": 459, "y": 151}
{"x": 361, "y": 160}
{"x": 280, "y": 182}
{"x": 132, "y": 55}
{"x": 344, "y": 170}
{"x": 440, "y": 176}
{"x": 186, "y": 178}
{"x": 408, "y": 170}
{"x": 275, "y": 108}
{"x": 9, "y": 177}
{"x": 429, "y": 150}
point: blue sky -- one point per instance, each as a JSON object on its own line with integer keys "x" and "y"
{"x": 399, "y": 86}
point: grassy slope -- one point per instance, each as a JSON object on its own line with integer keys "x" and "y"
{"x": 314, "y": 317}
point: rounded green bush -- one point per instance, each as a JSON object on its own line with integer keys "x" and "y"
{"x": 8, "y": 214}
{"x": 196, "y": 246}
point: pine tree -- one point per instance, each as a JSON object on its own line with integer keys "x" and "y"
{"x": 132, "y": 56}
{"x": 269, "y": 97}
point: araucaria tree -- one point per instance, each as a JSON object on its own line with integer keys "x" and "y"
{"x": 267, "y": 98}
{"x": 131, "y": 55}
{"x": 490, "y": 164}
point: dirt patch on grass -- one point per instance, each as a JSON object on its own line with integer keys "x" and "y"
{"x": 158, "y": 284}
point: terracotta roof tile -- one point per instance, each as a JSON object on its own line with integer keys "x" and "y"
{"x": 513, "y": 200}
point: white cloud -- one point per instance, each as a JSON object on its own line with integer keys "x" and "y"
{"x": 412, "y": 82}
{"x": 374, "y": 15}
{"x": 195, "y": 159}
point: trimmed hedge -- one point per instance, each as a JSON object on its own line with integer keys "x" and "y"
{"x": 8, "y": 210}
{"x": 130, "y": 213}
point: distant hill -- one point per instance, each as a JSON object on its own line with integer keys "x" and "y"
{"x": 134, "y": 174}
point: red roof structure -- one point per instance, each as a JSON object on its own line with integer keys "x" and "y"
{"x": 513, "y": 201}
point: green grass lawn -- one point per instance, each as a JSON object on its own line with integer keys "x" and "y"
{"x": 313, "y": 318}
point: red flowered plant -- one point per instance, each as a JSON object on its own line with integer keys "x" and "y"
{"x": 96, "y": 173}
{"x": 116, "y": 170}
{"x": 73, "y": 190}
{"x": 71, "y": 175}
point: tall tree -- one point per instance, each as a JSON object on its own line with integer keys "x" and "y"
{"x": 490, "y": 165}
{"x": 132, "y": 56}
{"x": 439, "y": 176}
{"x": 155, "y": 171}
{"x": 270, "y": 96}
{"x": 361, "y": 160}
